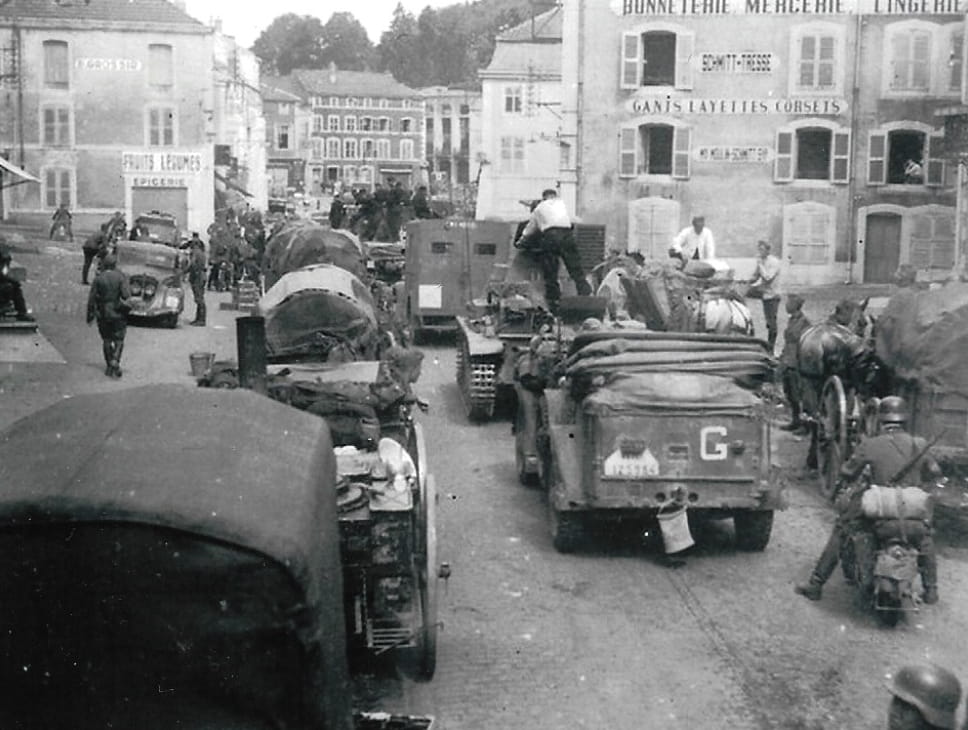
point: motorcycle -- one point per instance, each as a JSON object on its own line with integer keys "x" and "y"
{"x": 883, "y": 564}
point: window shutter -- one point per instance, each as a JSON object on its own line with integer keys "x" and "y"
{"x": 631, "y": 68}
{"x": 876, "y": 162}
{"x": 935, "y": 168}
{"x": 841, "y": 158}
{"x": 681, "y": 137}
{"x": 783, "y": 163}
{"x": 685, "y": 42}
{"x": 627, "y": 148}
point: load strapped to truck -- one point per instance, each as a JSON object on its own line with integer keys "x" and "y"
{"x": 320, "y": 313}
{"x": 303, "y": 243}
{"x": 922, "y": 338}
{"x": 644, "y": 421}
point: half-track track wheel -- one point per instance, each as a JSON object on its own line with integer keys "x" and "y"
{"x": 475, "y": 380}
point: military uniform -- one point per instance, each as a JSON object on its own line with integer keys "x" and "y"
{"x": 797, "y": 324}
{"x": 196, "y": 279}
{"x": 107, "y": 303}
{"x": 886, "y": 453}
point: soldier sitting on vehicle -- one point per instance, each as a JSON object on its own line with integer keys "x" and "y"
{"x": 888, "y": 454}
{"x": 11, "y": 292}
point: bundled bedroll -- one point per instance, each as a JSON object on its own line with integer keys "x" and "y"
{"x": 321, "y": 313}
{"x": 302, "y": 244}
{"x": 741, "y": 359}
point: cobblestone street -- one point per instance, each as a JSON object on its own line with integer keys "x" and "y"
{"x": 614, "y": 637}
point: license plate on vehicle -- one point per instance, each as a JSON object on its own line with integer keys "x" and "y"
{"x": 620, "y": 466}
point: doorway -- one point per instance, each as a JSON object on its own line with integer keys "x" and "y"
{"x": 883, "y": 247}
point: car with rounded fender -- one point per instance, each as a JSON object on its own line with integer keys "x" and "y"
{"x": 155, "y": 278}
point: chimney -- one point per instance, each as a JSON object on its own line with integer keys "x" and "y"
{"x": 332, "y": 72}
{"x": 217, "y": 24}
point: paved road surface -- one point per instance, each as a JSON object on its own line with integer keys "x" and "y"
{"x": 610, "y": 638}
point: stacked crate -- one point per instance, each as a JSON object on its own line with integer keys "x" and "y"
{"x": 245, "y": 296}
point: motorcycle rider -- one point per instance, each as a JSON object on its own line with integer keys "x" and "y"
{"x": 62, "y": 217}
{"x": 887, "y": 454}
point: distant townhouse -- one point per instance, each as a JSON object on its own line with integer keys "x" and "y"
{"x": 240, "y": 126}
{"x": 811, "y": 124}
{"x": 453, "y": 138}
{"x": 111, "y": 107}
{"x": 522, "y": 145}
{"x": 287, "y": 134}
{"x": 365, "y": 128}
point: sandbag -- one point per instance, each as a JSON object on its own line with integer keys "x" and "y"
{"x": 892, "y": 503}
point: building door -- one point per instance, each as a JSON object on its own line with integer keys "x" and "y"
{"x": 164, "y": 200}
{"x": 883, "y": 247}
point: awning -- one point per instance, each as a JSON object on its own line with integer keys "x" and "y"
{"x": 231, "y": 185}
{"x": 25, "y": 176}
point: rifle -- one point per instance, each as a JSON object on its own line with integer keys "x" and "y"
{"x": 903, "y": 471}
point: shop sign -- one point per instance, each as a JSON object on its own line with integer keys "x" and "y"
{"x": 156, "y": 181}
{"x": 108, "y": 64}
{"x": 749, "y": 62}
{"x": 185, "y": 163}
{"x": 732, "y": 153}
{"x": 806, "y": 8}
{"x": 808, "y": 106}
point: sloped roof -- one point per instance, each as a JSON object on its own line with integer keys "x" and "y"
{"x": 361, "y": 83}
{"x": 106, "y": 11}
{"x": 543, "y": 28}
{"x": 279, "y": 88}
{"x": 532, "y": 59}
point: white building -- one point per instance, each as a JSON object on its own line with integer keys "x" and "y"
{"x": 521, "y": 109}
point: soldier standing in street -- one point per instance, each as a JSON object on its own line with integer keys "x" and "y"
{"x": 108, "y": 304}
{"x": 797, "y": 324}
{"x": 196, "y": 278}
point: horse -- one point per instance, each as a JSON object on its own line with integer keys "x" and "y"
{"x": 843, "y": 345}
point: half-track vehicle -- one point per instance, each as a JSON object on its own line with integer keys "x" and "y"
{"x": 641, "y": 421}
{"x": 192, "y": 581}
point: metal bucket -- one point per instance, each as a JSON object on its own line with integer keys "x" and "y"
{"x": 674, "y": 526}
{"x": 201, "y": 363}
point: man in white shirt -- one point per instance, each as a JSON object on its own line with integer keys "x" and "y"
{"x": 549, "y": 235}
{"x": 765, "y": 285}
{"x": 694, "y": 242}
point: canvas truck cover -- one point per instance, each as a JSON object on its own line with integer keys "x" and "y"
{"x": 740, "y": 360}
{"x": 171, "y": 559}
{"x": 306, "y": 310}
{"x": 304, "y": 244}
{"x": 923, "y": 336}
{"x": 679, "y": 392}
{"x": 138, "y": 257}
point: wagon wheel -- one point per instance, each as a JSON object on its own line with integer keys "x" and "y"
{"x": 426, "y": 650}
{"x": 833, "y": 437}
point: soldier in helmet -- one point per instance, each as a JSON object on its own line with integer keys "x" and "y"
{"x": 887, "y": 454}
{"x": 925, "y": 697}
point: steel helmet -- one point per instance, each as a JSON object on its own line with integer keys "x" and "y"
{"x": 892, "y": 409}
{"x": 934, "y": 691}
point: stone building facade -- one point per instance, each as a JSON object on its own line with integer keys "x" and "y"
{"x": 452, "y": 132}
{"x": 808, "y": 123}
{"x": 109, "y": 103}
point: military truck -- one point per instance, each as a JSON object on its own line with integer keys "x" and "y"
{"x": 644, "y": 421}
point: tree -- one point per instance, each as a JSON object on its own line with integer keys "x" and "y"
{"x": 346, "y": 43}
{"x": 400, "y": 50}
{"x": 291, "y": 41}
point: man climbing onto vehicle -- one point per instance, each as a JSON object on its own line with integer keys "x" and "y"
{"x": 11, "y": 291}
{"x": 549, "y": 234}
{"x": 891, "y": 452}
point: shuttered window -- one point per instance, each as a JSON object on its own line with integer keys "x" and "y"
{"x": 652, "y": 224}
{"x": 783, "y": 162}
{"x": 933, "y": 241}
{"x": 936, "y": 164}
{"x": 57, "y": 187}
{"x": 56, "y": 65}
{"x": 161, "y": 67}
{"x": 660, "y": 57}
{"x": 808, "y": 233}
{"x": 655, "y": 149}
{"x": 877, "y": 159}
{"x": 911, "y": 60}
